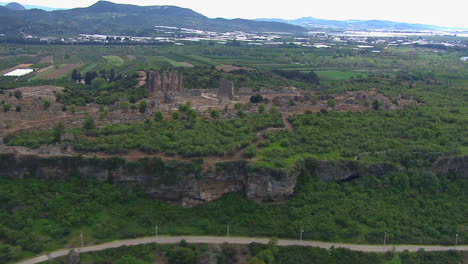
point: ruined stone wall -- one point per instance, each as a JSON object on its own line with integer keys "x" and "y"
{"x": 164, "y": 82}
{"x": 226, "y": 89}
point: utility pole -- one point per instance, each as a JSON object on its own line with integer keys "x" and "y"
{"x": 227, "y": 231}
{"x": 300, "y": 236}
{"x": 81, "y": 238}
{"x": 456, "y": 239}
{"x": 156, "y": 231}
{"x": 385, "y": 239}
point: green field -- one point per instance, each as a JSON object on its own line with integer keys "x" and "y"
{"x": 114, "y": 61}
{"x": 339, "y": 75}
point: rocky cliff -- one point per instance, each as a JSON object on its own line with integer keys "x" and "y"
{"x": 183, "y": 183}
{"x": 186, "y": 183}
{"x": 454, "y": 165}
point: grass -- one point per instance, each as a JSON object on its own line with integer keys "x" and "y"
{"x": 339, "y": 75}
{"x": 114, "y": 61}
{"x": 159, "y": 59}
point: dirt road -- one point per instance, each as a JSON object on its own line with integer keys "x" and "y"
{"x": 241, "y": 240}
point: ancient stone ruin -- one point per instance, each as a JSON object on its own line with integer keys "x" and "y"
{"x": 160, "y": 83}
{"x": 226, "y": 89}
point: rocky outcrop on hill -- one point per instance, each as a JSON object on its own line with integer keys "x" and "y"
{"x": 346, "y": 170}
{"x": 179, "y": 182}
{"x": 187, "y": 184}
{"x": 455, "y": 165}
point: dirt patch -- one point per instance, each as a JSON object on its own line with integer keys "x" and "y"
{"x": 47, "y": 59}
{"x": 187, "y": 64}
{"x": 141, "y": 78}
{"x": 60, "y": 71}
{"x": 20, "y": 66}
{"x": 131, "y": 57}
{"x": 229, "y": 68}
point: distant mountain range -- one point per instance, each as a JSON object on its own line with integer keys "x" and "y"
{"x": 17, "y": 6}
{"x": 314, "y": 23}
{"x": 120, "y": 19}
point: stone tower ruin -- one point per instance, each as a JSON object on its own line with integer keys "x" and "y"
{"x": 160, "y": 83}
{"x": 226, "y": 89}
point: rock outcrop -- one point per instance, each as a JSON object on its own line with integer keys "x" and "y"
{"x": 454, "y": 165}
{"x": 187, "y": 184}
{"x": 183, "y": 183}
{"x": 346, "y": 170}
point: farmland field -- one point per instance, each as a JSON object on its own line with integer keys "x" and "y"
{"x": 61, "y": 71}
{"x": 339, "y": 75}
{"x": 114, "y": 61}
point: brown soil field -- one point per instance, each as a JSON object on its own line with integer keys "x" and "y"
{"x": 47, "y": 59}
{"x": 60, "y": 71}
{"x": 131, "y": 57}
{"x": 19, "y": 66}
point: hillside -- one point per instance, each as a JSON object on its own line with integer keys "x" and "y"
{"x": 310, "y": 22}
{"x": 119, "y": 19}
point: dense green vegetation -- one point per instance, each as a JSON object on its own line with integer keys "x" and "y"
{"x": 189, "y": 136}
{"x": 145, "y": 254}
{"x": 39, "y": 215}
{"x": 413, "y": 137}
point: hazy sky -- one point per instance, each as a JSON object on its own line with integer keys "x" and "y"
{"x": 444, "y": 13}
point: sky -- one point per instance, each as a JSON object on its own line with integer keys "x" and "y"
{"x": 450, "y": 13}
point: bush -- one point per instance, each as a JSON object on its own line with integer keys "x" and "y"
{"x": 6, "y": 107}
{"x": 250, "y": 152}
{"x": 88, "y": 123}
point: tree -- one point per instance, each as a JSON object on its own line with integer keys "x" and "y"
{"x": 57, "y": 131}
{"x": 175, "y": 115}
{"x": 88, "y": 124}
{"x": 215, "y": 114}
{"x": 142, "y": 106}
{"x": 98, "y": 83}
{"x": 130, "y": 260}
{"x": 124, "y": 106}
{"x": 256, "y": 99}
{"x": 73, "y": 109}
{"x": 18, "y": 94}
{"x": 89, "y": 76}
{"x": 182, "y": 255}
{"x": 249, "y": 152}
{"x": 331, "y": 103}
{"x": 112, "y": 75}
{"x": 6, "y": 107}
{"x": 46, "y": 104}
{"x": 74, "y": 75}
{"x": 79, "y": 78}
{"x": 158, "y": 116}
{"x": 261, "y": 109}
{"x": 376, "y": 105}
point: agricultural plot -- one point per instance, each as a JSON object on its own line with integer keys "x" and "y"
{"x": 114, "y": 61}
{"x": 47, "y": 59}
{"x": 162, "y": 61}
{"x": 43, "y": 72}
{"x": 19, "y": 66}
{"x": 339, "y": 75}
{"x": 59, "y": 72}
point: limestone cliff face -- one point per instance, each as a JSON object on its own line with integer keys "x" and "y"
{"x": 188, "y": 184}
{"x": 455, "y": 165}
{"x": 183, "y": 183}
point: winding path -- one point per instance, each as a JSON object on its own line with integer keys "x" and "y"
{"x": 241, "y": 240}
